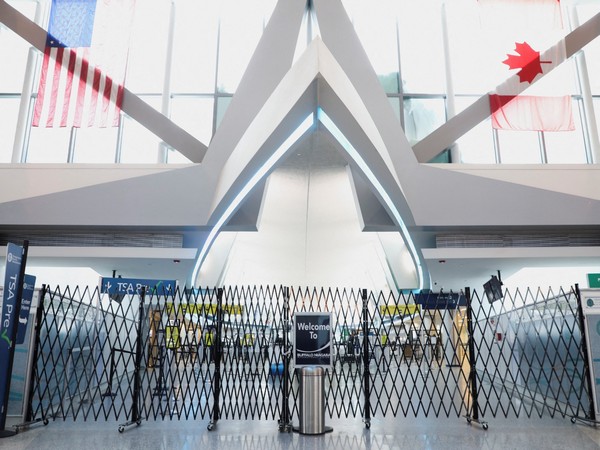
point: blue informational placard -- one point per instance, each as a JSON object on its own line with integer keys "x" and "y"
{"x": 26, "y": 299}
{"x": 312, "y": 339}
{"x": 10, "y": 312}
{"x": 129, "y": 286}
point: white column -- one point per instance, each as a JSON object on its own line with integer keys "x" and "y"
{"x": 450, "y": 105}
{"x": 166, "y": 94}
{"x": 23, "y": 120}
{"x": 586, "y": 94}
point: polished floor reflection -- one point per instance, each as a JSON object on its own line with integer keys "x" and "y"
{"x": 347, "y": 434}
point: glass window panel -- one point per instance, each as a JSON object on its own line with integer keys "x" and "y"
{"x": 592, "y": 50}
{"x": 241, "y": 29}
{"x": 595, "y": 153}
{"x": 561, "y": 81}
{"x": 267, "y": 7}
{"x": 148, "y": 45}
{"x": 479, "y": 40}
{"x": 9, "y": 112}
{"x": 174, "y": 157}
{"x": 519, "y": 147}
{"x": 395, "y": 102}
{"x": 195, "y": 115}
{"x": 567, "y": 147}
{"x": 468, "y": 44}
{"x": 592, "y": 60}
{"x": 442, "y": 158}
{"x": 462, "y": 102}
{"x": 13, "y": 52}
{"x": 422, "y": 116}
{"x": 381, "y": 47}
{"x": 421, "y": 46}
{"x": 195, "y": 46}
{"x": 222, "y": 105}
{"x": 139, "y": 144}
{"x": 48, "y": 145}
{"x": 95, "y": 145}
{"x": 477, "y": 145}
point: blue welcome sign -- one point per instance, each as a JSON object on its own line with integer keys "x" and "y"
{"x": 312, "y": 339}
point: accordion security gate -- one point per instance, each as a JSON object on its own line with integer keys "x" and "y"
{"x": 225, "y": 354}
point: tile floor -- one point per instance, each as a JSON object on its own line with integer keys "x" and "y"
{"x": 347, "y": 434}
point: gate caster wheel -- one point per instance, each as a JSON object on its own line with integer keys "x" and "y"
{"x": 573, "y": 420}
{"x": 484, "y": 425}
{"x": 368, "y": 424}
{"x": 121, "y": 429}
{"x": 46, "y": 421}
{"x": 469, "y": 420}
{"x": 210, "y": 426}
{"x": 138, "y": 422}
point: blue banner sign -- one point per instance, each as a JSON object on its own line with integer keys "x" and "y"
{"x": 10, "y": 312}
{"x": 26, "y": 299}
{"x": 124, "y": 286}
{"x": 312, "y": 333}
{"x": 442, "y": 300}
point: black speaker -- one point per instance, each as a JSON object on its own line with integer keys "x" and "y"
{"x": 493, "y": 289}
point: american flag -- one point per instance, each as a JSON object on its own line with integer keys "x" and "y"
{"x": 85, "y": 59}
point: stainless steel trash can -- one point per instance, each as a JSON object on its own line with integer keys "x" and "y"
{"x": 312, "y": 401}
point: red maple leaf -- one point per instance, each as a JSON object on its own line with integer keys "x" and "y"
{"x": 528, "y": 60}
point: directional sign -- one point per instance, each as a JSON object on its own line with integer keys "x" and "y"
{"x": 123, "y": 286}
{"x": 26, "y": 299}
{"x": 593, "y": 280}
{"x": 441, "y": 300}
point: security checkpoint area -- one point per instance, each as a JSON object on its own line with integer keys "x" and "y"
{"x": 300, "y": 358}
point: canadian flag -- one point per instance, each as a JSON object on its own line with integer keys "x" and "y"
{"x": 531, "y": 32}
{"x": 512, "y": 110}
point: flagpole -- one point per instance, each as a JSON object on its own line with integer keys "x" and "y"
{"x": 455, "y": 156}
{"x": 166, "y": 94}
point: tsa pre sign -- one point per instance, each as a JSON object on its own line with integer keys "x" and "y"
{"x": 312, "y": 337}
{"x": 11, "y": 304}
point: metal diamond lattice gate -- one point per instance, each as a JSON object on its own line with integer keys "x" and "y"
{"x": 225, "y": 354}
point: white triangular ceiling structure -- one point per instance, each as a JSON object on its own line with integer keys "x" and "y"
{"x": 335, "y": 76}
{"x": 264, "y": 115}
{"x": 330, "y": 89}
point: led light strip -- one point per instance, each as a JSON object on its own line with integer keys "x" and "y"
{"x": 306, "y": 124}
{"x": 337, "y": 134}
